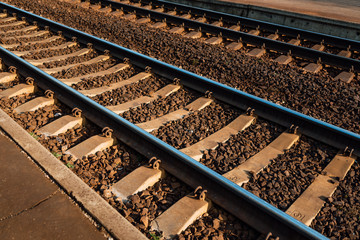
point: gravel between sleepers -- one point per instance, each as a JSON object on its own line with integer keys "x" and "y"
{"x": 160, "y": 107}
{"x": 241, "y": 146}
{"x": 51, "y": 53}
{"x": 291, "y": 173}
{"x": 71, "y": 60}
{"x": 218, "y": 224}
{"x": 37, "y": 46}
{"x": 95, "y": 82}
{"x": 9, "y": 28}
{"x": 9, "y": 104}
{"x": 24, "y": 39}
{"x": 197, "y": 126}
{"x": 340, "y": 216}
{"x": 130, "y": 92}
{"x": 84, "y": 69}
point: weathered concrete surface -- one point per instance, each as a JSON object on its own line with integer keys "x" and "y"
{"x": 19, "y": 185}
{"x": 31, "y": 207}
{"x": 335, "y": 17}
{"x": 55, "y": 218}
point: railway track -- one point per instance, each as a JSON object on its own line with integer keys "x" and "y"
{"x": 316, "y": 95}
{"x": 188, "y": 104}
{"x": 309, "y": 50}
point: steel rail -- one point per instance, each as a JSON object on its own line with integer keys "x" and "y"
{"x": 319, "y": 130}
{"x": 271, "y": 27}
{"x": 244, "y": 205}
{"x": 285, "y": 48}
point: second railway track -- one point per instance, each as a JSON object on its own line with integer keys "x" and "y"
{"x": 193, "y": 118}
{"x": 284, "y": 44}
